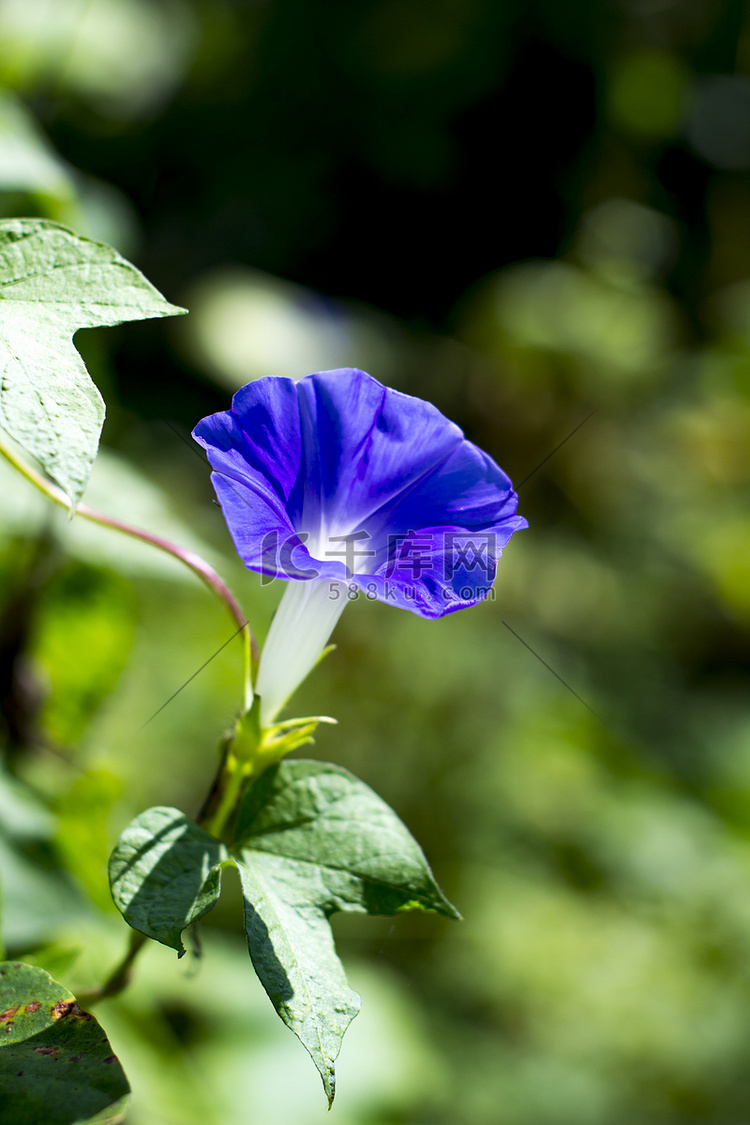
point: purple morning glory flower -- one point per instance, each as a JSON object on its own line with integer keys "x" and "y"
{"x": 339, "y": 484}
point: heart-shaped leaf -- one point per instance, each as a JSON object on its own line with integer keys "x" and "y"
{"x": 164, "y": 874}
{"x": 312, "y": 839}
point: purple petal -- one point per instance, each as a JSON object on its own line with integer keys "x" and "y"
{"x": 365, "y": 444}
{"x": 302, "y": 468}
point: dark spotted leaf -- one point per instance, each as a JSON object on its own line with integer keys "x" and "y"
{"x": 56, "y": 1063}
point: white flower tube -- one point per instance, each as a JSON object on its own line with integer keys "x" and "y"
{"x": 304, "y": 620}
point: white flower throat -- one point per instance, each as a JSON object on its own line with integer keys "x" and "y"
{"x": 306, "y": 617}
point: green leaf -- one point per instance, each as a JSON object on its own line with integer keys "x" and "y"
{"x": 56, "y": 1063}
{"x": 292, "y": 950}
{"x": 313, "y": 840}
{"x": 53, "y": 282}
{"x": 315, "y": 813}
{"x": 165, "y": 874}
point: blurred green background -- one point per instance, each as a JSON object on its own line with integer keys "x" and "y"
{"x": 536, "y": 215}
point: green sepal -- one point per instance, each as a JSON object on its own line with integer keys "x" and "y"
{"x": 255, "y": 748}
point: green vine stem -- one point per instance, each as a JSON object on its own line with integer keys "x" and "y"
{"x": 199, "y": 566}
{"x": 222, "y": 808}
{"x": 225, "y": 792}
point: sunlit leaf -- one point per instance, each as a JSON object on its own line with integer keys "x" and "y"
{"x": 315, "y": 814}
{"x": 53, "y": 282}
